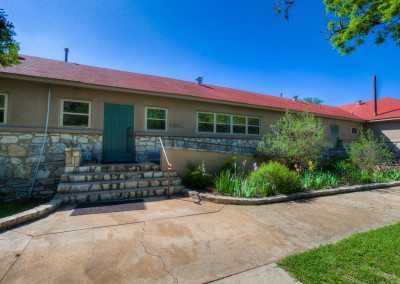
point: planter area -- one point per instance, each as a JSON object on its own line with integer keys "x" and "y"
{"x": 285, "y": 198}
{"x": 29, "y": 215}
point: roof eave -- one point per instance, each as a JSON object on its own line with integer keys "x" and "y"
{"x": 172, "y": 95}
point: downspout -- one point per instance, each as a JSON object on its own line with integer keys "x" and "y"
{"x": 43, "y": 143}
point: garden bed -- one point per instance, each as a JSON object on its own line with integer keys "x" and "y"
{"x": 32, "y": 211}
{"x": 285, "y": 198}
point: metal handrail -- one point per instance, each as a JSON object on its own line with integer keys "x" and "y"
{"x": 169, "y": 166}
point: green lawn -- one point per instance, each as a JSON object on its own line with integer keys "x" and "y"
{"x": 370, "y": 257}
{"x": 10, "y": 208}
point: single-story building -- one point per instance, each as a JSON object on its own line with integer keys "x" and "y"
{"x": 117, "y": 116}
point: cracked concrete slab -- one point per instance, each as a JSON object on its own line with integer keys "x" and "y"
{"x": 179, "y": 240}
{"x": 270, "y": 273}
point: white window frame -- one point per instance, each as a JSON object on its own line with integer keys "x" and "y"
{"x": 197, "y": 122}
{"x": 231, "y": 123}
{"x": 259, "y": 124}
{"x": 72, "y": 113}
{"x": 166, "y": 119}
{"x": 5, "y": 107}
{"x": 245, "y": 124}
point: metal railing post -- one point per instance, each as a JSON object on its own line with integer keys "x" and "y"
{"x": 169, "y": 167}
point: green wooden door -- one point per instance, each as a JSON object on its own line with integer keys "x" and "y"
{"x": 334, "y": 129}
{"x": 118, "y": 136}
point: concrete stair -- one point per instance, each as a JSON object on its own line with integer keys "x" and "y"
{"x": 105, "y": 182}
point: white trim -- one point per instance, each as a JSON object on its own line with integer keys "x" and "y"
{"x": 231, "y": 124}
{"x": 166, "y": 118}
{"x": 72, "y": 113}
{"x": 5, "y": 108}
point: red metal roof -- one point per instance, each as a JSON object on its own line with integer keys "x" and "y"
{"x": 388, "y": 108}
{"x": 59, "y": 70}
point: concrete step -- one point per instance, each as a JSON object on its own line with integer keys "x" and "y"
{"x": 118, "y": 194}
{"x": 64, "y": 187}
{"x": 93, "y": 168}
{"x": 116, "y": 175}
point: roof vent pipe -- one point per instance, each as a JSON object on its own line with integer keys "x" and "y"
{"x": 375, "y": 97}
{"x": 66, "y": 54}
{"x": 199, "y": 80}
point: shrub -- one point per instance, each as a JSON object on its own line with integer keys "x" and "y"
{"x": 369, "y": 151}
{"x": 279, "y": 178}
{"x": 318, "y": 180}
{"x": 228, "y": 183}
{"x": 294, "y": 139}
{"x": 197, "y": 177}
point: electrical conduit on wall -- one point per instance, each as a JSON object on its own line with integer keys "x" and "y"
{"x": 43, "y": 143}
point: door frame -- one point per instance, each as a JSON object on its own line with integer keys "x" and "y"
{"x": 131, "y": 139}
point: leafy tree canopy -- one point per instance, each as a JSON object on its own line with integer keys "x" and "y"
{"x": 314, "y": 100}
{"x": 8, "y": 46}
{"x": 296, "y": 138}
{"x": 354, "y": 20}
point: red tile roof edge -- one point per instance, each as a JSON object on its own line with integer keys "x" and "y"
{"x": 36, "y": 67}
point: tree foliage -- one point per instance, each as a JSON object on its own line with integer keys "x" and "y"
{"x": 369, "y": 150}
{"x": 295, "y": 139}
{"x": 8, "y": 46}
{"x": 354, "y": 20}
{"x": 314, "y": 100}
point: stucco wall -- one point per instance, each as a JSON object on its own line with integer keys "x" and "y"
{"x": 389, "y": 129}
{"x": 213, "y": 161}
{"x": 27, "y": 109}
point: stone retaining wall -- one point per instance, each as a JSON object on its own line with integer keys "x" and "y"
{"x": 148, "y": 147}
{"x": 19, "y": 153}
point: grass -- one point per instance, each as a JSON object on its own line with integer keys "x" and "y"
{"x": 11, "y": 208}
{"x": 370, "y": 257}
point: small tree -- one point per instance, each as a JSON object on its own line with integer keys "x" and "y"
{"x": 8, "y": 46}
{"x": 294, "y": 139}
{"x": 369, "y": 150}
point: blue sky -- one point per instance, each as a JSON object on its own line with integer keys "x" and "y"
{"x": 242, "y": 45}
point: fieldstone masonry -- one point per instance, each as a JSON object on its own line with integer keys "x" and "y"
{"x": 148, "y": 147}
{"x": 19, "y": 154}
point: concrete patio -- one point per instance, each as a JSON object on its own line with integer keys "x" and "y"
{"x": 181, "y": 240}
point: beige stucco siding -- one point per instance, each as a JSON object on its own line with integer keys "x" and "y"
{"x": 27, "y": 108}
{"x": 389, "y": 129}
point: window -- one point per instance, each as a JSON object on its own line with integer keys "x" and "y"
{"x": 239, "y": 124}
{"x": 205, "y": 122}
{"x": 75, "y": 113}
{"x": 156, "y": 119}
{"x": 225, "y": 123}
{"x": 253, "y": 125}
{"x": 354, "y": 130}
{"x": 3, "y": 108}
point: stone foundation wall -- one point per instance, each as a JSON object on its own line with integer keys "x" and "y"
{"x": 148, "y": 147}
{"x": 19, "y": 153}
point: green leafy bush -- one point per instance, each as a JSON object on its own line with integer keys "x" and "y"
{"x": 313, "y": 180}
{"x": 278, "y": 176}
{"x": 228, "y": 183}
{"x": 197, "y": 177}
{"x": 369, "y": 151}
{"x": 294, "y": 139}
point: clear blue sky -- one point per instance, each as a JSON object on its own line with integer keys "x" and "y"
{"x": 242, "y": 45}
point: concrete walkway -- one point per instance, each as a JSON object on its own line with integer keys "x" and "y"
{"x": 181, "y": 240}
